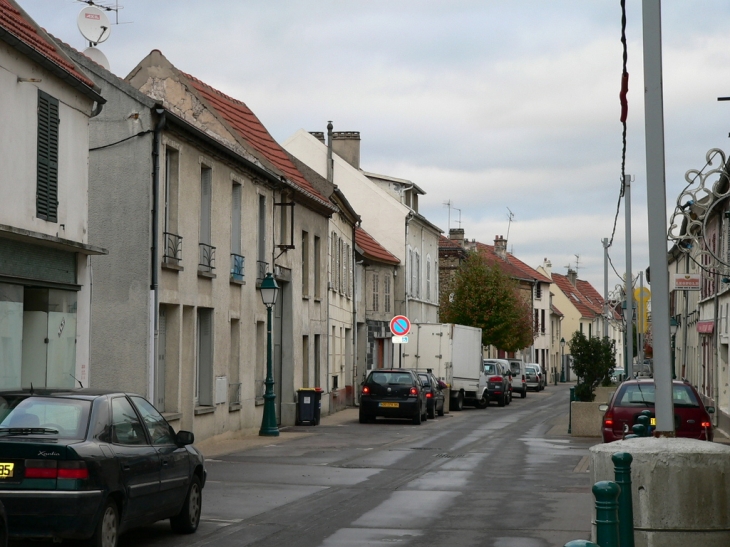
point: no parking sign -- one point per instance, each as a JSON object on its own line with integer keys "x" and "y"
{"x": 400, "y": 325}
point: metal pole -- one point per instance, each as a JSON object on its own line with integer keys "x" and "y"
{"x": 684, "y": 324}
{"x": 268, "y": 423}
{"x": 656, "y": 197}
{"x": 628, "y": 363}
{"x": 640, "y": 327}
{"x": 605, "y": 288}
{"x": 622, "y": 473}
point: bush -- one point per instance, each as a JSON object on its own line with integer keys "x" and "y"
{"x": 593, "y": 360}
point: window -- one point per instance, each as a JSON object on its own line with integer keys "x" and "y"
{"x": 340, "y": 281}
{"x": 261, "y": 265}
{"x": 386, "y": 293}
{"x": 349, "y": 271}
{"x": 317, "y": 267}
{"x": 317, "y": 357}
{"x": 157, "y": 428}
{"x": 305, "y": 361}
{"x": 172, "y": 252}
{"x": 537, "y": 321}
{"x": 411, "y": 267}
{"x": 236, "y": 258}
{"x": 126, "y": 427}
{"x": 234, "y": 363}
{"x": 542, "y": 321}
{"x": 428, "y": 277}
{"x": 376, "y": 291}
{"x": 343, "y": 287}
{"x": 47, "y": 169}
{"x": 305, "y": 264}
{"x": 205, "y": 261}
{"x": 204, "y": 361}
{"x": 538, "y": 291}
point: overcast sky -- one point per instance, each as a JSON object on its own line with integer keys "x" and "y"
{"x": 495, "y": 106}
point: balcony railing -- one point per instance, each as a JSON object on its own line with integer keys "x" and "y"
{"x": 261, "y": 269}
{"x": 206, "y": 261}
{"x": 234, "y": 394}
{"x": 237, "y": 267}
{"x": 173, "y": 248}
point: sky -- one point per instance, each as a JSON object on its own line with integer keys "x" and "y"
{"x": 497, "y": 107}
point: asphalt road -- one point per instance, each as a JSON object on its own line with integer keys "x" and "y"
{"x": 500, "y": 477}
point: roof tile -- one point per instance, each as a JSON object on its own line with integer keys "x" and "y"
{"x": 372, "y": 249}
{"x": 513, "y": 266}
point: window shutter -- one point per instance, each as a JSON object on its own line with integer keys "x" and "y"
{"x": 47, "y": 176}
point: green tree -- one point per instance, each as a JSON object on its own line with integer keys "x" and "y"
{"x": 481, "y": 295}
{"x": 593, "y": 359}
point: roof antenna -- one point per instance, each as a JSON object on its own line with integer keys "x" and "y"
{"x": 510, "y": 217}
{"x": 577, "y": 264}
{"x": 79, "y": 381}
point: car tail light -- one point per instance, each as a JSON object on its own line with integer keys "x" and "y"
{"x": 413, "y": 391}
{"x": 523, "y": 377}
{"x": 73, "y": 470}
{"x": 366, "y": 390}
{"x": 41, "y": 469}
{"x": 428, "y": 395}
{"x": 706, "y": 424}
{"x": 608, "y": 420}
{"x": 496, "y": 379}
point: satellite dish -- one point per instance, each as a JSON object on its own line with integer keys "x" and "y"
{"x": 94, "y": 25}
{"x": 97, "y": 56}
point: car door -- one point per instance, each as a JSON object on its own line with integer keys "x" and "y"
{"x": 175, "y": 465}
{"x": 138, "y": 461}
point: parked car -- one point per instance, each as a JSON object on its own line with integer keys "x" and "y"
{"x": 519, "y": 376}
{"x": 3, "y": 527}
{"x": 434, "y": 393}
{"x": 691, "y": 417}
{"x": 393, "y": 393}
{"x": 90, "y": 464}
{"x": 533, "y": 376}
{"x": 498, "y": 380}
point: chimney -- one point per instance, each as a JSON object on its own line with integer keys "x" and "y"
{"x": 319, "y": 135}
{"x": 572, "y": 276}
{"x": 548, "y": 267}
{"x": 346, "y": 144}
{"x": 457, "y": 236}
{"x": 500, "y": 247}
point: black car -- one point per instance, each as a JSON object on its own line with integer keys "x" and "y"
{"x": 497, "y": 373}
{"x": 80, "y": 464}
{"x": 434, "y": 394}
{"x": 393, "y": 393}
{"x": 3, "y": 527}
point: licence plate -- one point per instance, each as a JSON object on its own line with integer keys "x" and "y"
{"x": 389, "y": 405}
{"x": 652, "y": 421}
{"x": 6, "y": 470}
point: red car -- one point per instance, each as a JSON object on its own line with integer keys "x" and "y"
{"x": 691, "y": 417}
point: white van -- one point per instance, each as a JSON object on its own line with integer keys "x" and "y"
{"x": 519, "y": 377}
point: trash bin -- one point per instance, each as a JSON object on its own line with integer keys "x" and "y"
{"x": 308, "y": 405}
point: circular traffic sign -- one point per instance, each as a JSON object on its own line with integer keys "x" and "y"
{"x": 400, "y": 325}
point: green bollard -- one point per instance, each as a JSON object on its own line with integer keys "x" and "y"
{"x": 631, "y": 436}
{"x": 570, "y": 408}
{"x": 622, "y": 472}
{"x": 580, "y": 543}
{"x": 639, "y": 430}
{"x": 606, "y": 494}
{"x": 644, "y": 420}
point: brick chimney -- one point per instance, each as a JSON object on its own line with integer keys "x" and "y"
{"x": 548, "y": 267}
{"x": 500, "y": 247}
{"x": 572, "y": 276}
{"x": 457, "y": 236}
{"x": 346, "y": 144}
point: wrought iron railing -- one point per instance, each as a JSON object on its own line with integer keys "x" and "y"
{"x": 237, "y": 267}
{"x": 261, "y": 269}
{"x": 173, "y": 248}
{"x": 234, "y": 394}
{"x": 206, "y": 259}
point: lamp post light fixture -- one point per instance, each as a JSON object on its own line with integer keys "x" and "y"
{"x": 562, "y": 360}
{"x": 673, "y": 327}
{"x": 269, "y": 292}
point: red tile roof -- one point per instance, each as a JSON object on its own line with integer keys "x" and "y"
{"x": 372, "y": 249}
{"x": 446, "y": 243}
{"x": 250, "y": 128}
{"x": 593, "y": 295}
{"x": 22, "y": 27}
{"x": 555, "y": 310}
{"x": 587, "y": 307}
{"x": 513, "y": 266}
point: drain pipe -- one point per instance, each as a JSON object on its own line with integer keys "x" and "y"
{"x": 155, "y": 253}
{"x": 330, "y": 176}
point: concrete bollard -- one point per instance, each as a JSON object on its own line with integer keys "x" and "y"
{"x": 622, "y": 470}
{"x": 607, "y": 526}
{"x": 580, "y": 543}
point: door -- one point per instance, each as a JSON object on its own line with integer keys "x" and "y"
{"x": 139, "y": 463}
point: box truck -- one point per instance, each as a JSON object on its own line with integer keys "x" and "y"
{"x": 454, "y": 355}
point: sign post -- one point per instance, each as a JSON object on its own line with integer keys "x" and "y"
{"x": 400, "y": 326}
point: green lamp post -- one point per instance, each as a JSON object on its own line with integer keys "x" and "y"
{"x": 673, "y": 327}
{"x": 269, "y": 292}
{"x": 562, "y": 360}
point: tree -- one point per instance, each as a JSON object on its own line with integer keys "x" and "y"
{"x": 593, "y": 360}
{"x": 481, "y": 295}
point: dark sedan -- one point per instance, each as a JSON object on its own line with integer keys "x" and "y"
{"x": 434, "y": 394}
{"x": 90, "y": 464}
{"x": 393, "y": 393}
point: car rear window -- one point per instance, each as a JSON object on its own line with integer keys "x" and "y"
{"x": 69, "y": 417}
{"x": 515, "y": 367}
{"x": 490, "y": 368}
{"x": 425, "y": 380}
{"x": 391, "y": 379}
{"x": 644, "y": 395}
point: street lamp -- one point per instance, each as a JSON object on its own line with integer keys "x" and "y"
{"x": 673, "y": 327}
{"x": 269, "y": 292}
{"x": 562, "y": 360}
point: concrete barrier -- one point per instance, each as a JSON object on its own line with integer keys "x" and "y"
{"x": 585, "y": 419}
{"x": 603, "y": 394}
{"x": 680, "y": 489}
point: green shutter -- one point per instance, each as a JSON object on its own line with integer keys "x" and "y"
{"x": 47, "y": 185}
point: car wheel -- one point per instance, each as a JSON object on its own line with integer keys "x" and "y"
{"x": 187, "y": 520}
{"x": 107, "y": 529}
{"x": 484, "y": 401}
{"x": 458, "y": 402}
{"x": 364, "y": 418}
{"x": 424, "y": 415}
{"x": 502, "y": 401}
{"x": 523, "y": 393}
{"x": 417, "y": 417}
{"x": 441, "y": 410}
{"x": 432, "y": 411}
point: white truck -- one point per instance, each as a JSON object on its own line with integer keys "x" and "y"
{"x": 454, "y": 355}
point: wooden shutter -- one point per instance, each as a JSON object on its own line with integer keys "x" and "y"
{"x": 47, "y": 178}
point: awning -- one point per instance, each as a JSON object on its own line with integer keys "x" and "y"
{"x": 706, "y": 327}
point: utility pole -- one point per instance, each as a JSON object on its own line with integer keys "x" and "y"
{"x": 656, "y": 197}
{"x": 640, "y": 326}
{"x": 629, "y": 288}
{"x": 605, "y": 287}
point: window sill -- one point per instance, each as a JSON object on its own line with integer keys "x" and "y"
{"x": 259, "y": 401}
{"x": 317, "y": 299}
{"x": 207, "y": 275}
{"x": 172, "y": 416}
{"x": 172, "y": 266}
{"x": 305, "y": 297}
{"x": 203, "y": 410}
{"x": 235, "y": 281}
{"x": 234, "y": 407}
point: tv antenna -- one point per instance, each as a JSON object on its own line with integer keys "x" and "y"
{"x": 106, "y": 6}
{"x": 577, "y": 264}
{"x": 510, "y": 218}
{"x": 448, "y": 224}
{"x": 459, "y": 221}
